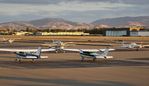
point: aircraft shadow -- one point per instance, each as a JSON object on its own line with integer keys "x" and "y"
{"x": 146, "y": 58}
{"x": 39, "y": 64}
{"x": 142, "y": 49}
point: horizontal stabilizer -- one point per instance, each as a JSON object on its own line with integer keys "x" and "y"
{"x": 30, "y": 57}
{"x": 43, "y": 57}
{"x": 104, "y": 57}
{"x": 108, "y": 57}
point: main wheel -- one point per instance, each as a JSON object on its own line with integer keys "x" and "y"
{"x": 137, "y": 49}
{"x": 33, "y": 60}
{"x": 82, "y": 59}
{"x": 56, "y": 51}
{"x": 94, "y": 59}
{"x": 16, "y": 60}
{"x": 19, "y": 60}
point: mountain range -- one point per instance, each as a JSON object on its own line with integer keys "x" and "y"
{"x": 59, "y": 23}
{"x": 124, "y": 21}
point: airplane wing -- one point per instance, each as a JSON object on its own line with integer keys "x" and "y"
{"x": 146, "y": 46}
{"x": 48, "y": 50}
{"x": 108, "y": 49}
{"x": 91, "y": 50}
{"x": 73, "y": 50}
{"x": 49, "y": 45}
{"x": 68, "y": 43}
{"x": 94, "y": 44}
{"x": 25, "y": 50}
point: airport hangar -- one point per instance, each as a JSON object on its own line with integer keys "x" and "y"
{"x": 126, "y": 32}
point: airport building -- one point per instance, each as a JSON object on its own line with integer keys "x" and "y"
{"x": 136, "y": 28}
{"x": 22, "y": 33}
{"x": 130, "y": 31}
{"x": 117, "y": 32}
{"x": 139, "y": 33}
{"x": 62, "y": 33}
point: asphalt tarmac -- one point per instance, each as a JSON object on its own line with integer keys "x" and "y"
{"x": 127, "y": 68}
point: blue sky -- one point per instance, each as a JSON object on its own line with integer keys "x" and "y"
{"x": 74, "y": 10}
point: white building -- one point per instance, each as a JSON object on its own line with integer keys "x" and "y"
{"x": 117, "y": 32}
{"x": 139, "y": 33}
{"x": 62, "y": 33}
{"x": 22, "y": 33}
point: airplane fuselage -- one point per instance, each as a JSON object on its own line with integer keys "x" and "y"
{"x": 94, "y": 55}
{"x": 24, "y": 55}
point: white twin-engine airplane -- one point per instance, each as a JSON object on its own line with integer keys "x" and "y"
{"x": 92, "y": 53}
{"x": 28, "y": 53}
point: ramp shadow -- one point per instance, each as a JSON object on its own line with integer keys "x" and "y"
{"x": 60, "y": 82}
{"x": 146, "y": 58}
{"x": 69, "y": 64}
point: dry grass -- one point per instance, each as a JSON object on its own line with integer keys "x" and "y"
{"x": 78, "y": 38}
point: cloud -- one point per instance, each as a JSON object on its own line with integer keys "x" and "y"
{"x": 65, "y": 1}
{"x": 15, "y": 9}
{"x": 76, "y": 10}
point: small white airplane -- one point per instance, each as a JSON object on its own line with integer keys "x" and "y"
{"x": 58, "y": 45}
{"x": 92, "y": 53}
{"x": 9, "y": 40}
{"x": 28, "y": 53}
{"x": 132, "y": 45}
{"x": 84, "y": 53}
{"x": 145, "y": 46}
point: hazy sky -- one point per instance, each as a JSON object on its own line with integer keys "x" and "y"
{"x": 75, "y": 10}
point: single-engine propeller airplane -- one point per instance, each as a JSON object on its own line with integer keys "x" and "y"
{"x": 28, "y": 53}
{"x": 9, "y": 40}
{"x": 84, "y": 53}
{"x": 58, "y": 45}
{"x": 92, "y": 53}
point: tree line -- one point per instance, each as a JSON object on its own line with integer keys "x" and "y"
{"x": 35, "y": 30}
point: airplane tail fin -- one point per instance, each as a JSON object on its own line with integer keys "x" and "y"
{"x": 81, "y": 51}
{"x": 11, "y": 41}
{"x": 104, "y": 53}
{"x": 4, "y": 39}
{"x": 38, "y": 52}
{"x": 123, "y": 43}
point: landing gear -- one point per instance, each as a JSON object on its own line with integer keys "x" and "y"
{"x": 56, "y": 51}
{"x": 105, "y": 57}
{"x": 33, "y": 60}
{"x": 82, "y": 59}
{"x": 94, "y": 59}
{"x": 17, "y": 60}
{"x": 64, "y": 51}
